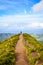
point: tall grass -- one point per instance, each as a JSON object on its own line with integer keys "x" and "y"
{"x": 35, "y": 48}
{"x": 7, "y": 51}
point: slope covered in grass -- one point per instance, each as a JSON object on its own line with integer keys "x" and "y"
{"x": 34, "y": 50}
{"x": 7, "y": 51}
{"x": 39, "y": 37}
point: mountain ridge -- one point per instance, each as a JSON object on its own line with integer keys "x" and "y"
{"x": 34, "y": 50}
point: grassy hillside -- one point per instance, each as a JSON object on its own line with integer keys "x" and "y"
{"x": 7, "y": 51}
{"x": 34, "y": 50}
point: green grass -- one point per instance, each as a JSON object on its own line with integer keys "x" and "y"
{"x": 7, "y": 51}
{"x": 37, "y": 47}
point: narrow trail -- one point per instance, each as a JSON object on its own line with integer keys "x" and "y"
{"x": 21, "y": 58}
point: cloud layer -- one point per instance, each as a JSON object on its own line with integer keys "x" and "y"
{"x": 21, "y": 22}
{"x": 26, "y": 16}
{"x": 38, "y": 7}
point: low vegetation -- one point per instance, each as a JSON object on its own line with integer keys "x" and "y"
{"x": 34, "y": 50}
{"x": 7, "y": 51}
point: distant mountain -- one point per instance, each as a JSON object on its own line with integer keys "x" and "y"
{"x": 4, "y": 36}
{"x": 39, "y": 37}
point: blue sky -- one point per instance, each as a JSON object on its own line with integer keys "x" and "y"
{"x": 25, "y": 15}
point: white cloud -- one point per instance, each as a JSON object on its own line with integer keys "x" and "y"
{"x": 21, "y": 22}
{"x": 38, "y": 7}
{"x": 4, "y": 25}
{"x": 36, "y": 25}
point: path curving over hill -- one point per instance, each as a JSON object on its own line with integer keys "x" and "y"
{"x": 21, "y": 58}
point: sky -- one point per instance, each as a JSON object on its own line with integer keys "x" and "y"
{"x": 21, "y": 15}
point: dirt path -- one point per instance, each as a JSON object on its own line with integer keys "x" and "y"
{"x": 21, "y": 53}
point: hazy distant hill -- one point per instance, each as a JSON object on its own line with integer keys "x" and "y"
{"x": 4, "y": 36}
{"x": 39, "y": 37}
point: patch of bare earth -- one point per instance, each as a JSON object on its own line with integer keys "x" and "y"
{"x": 21, "y": 58}
{"x": 34, "y": 54}
{"x": 28, "y": 44}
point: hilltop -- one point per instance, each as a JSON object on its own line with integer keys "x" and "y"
{"x": 21, "y": 49}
